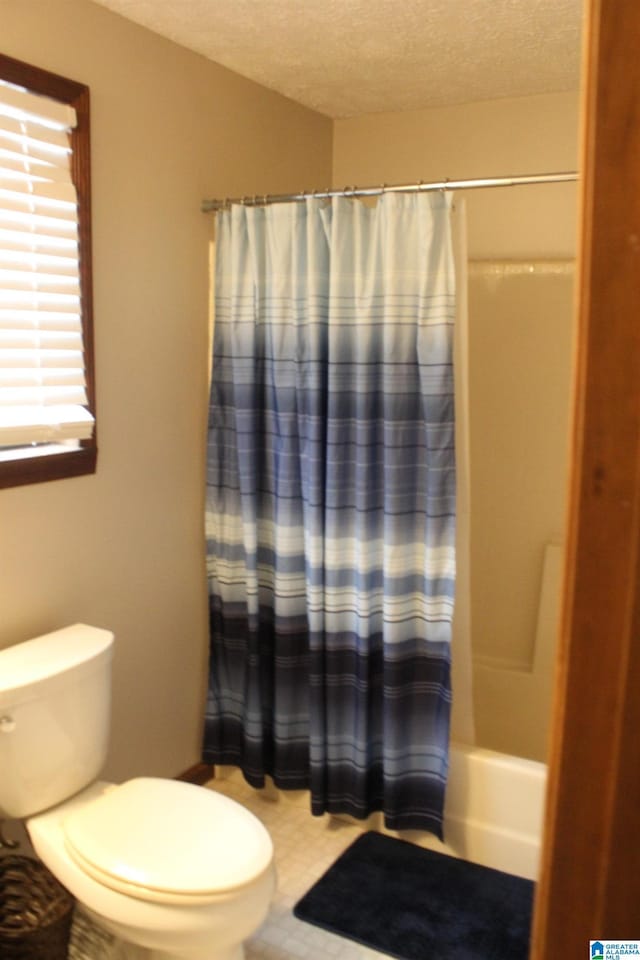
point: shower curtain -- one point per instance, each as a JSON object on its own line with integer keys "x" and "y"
{"x": 330, "y": 518}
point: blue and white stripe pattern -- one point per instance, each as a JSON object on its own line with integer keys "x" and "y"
{"x": 331, "y": 502}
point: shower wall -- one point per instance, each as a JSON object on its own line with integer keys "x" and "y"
{"x": 520, "y": 323}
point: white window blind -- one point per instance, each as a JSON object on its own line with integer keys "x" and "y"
{"x": 42, "y": 375}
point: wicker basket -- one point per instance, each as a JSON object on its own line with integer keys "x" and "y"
{"x": 35, "y": 911}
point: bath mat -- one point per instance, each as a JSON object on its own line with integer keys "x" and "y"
{"x": 415, "y": 904}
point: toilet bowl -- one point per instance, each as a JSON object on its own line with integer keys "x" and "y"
{"x": 145, "y": 881}
{"x": 178, "y": 869}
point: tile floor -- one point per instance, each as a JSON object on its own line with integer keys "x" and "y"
{"x": 305, "y": 847}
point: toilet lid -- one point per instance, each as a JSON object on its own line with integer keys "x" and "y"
{"x": 168, "y": 841}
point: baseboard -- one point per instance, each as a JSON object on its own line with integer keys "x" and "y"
{"x": 200, "y": 773}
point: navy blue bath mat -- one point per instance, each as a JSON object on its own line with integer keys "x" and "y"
{"x": 415, "y": 904}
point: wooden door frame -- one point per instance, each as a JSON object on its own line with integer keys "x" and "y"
{"x": 590, "y": 876}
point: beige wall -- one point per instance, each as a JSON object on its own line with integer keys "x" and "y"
{"x": 520, "y": 325}
{"x": 124, "y": 549}
{"x": 496, "y": 138}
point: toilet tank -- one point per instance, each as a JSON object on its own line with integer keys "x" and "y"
{"x": 55, "y": 694}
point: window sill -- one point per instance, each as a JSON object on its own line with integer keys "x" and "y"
{"x": 51, "y": 463}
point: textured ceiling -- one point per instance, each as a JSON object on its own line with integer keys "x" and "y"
{"x": 351, "y": 57}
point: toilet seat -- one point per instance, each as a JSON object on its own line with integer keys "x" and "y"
{"x": 168, "y": 842}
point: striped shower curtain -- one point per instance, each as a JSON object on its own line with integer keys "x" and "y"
{"x": 330, "y": 517}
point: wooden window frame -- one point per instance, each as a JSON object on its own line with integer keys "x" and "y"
{"x": 80, "y": 461}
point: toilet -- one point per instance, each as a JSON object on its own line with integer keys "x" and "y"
{"x": 166, "y": 865}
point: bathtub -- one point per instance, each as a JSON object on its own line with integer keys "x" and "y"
{"x": 494, "y": 810}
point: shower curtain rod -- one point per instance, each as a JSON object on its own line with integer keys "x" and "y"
{"x": 209, "y": 206}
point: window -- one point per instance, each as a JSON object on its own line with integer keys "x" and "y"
{"x": 47, "y": 395}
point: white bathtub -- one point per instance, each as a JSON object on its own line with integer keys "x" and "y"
{"x": 493, "y": 812}
{"x": 495, "y": 809}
